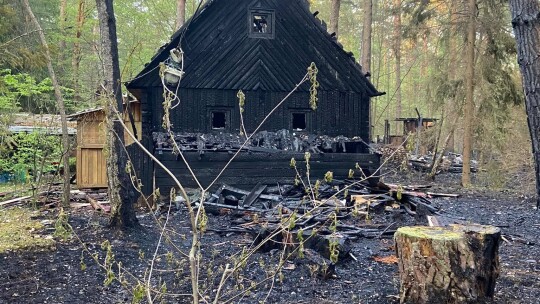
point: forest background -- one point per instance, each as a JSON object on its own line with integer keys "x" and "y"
{"x": 418, "y": 58}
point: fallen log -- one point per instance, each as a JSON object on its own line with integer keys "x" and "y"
{"x": 454, "y": 264}
{"x": 330, "y": 246}
{"x": 95, "y": 204}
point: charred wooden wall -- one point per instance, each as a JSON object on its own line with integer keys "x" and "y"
{"x": 249, "y": 169}
{"x": 142, "y": 163}
{"x": 338, "y": 113}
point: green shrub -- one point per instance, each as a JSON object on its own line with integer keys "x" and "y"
{"x": 31, "y": 153}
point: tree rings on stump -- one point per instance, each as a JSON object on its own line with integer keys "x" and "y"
{"x": 453, "y": 264}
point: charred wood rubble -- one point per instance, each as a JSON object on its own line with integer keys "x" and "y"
{"x": 281, "y": 141}
{"x": 452, "y": 162}
{"x": 316, "y": 220}
{"x": 400, "y": 157}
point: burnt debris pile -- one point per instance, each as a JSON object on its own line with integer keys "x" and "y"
{"x": 264, "y": 141}
{"x": 317, "y": 222}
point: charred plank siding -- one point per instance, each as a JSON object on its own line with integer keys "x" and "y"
{"x": 339, "y": 113}
{"x": 248, "y": 169}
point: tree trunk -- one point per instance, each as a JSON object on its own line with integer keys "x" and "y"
{"x": 334, "y": 17}
{"x": 59, "y": 103}
{"x": 454, "y": 106}
{"x": 76, "y": 59}
{"x": 120, "y": 190}
{"x": 526, "y": 24}
{"x": 180, "y": 13}
{"x": 96, "y": 50}
{"x": 469, "y": 94}
{"x": 450, "y": 106}
{"x": 456, "y": 264}
{"x": 439, "y": 156}
{"x": 365, "y": 59}
{"x": 397, "y": 54}
{"x": 425, "y": 74}
{"x": 62, "y": 23}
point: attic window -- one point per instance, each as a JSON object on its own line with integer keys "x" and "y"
{"x": 219, "y": 120}
{"x": 299, "y": 121}
{"x": 261, "y": 24}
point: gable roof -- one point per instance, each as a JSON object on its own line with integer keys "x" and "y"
{"x": 219, "y": 54}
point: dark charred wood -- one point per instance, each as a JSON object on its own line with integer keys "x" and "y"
{"x": 254, "y": 194}
{"x": 270, "y": 237}
{"x": 318, "y": 265}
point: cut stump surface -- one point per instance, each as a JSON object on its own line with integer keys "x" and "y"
{"x": 453, "y": 264}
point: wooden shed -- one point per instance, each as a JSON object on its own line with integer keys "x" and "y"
{"x": 410, "y": 125}
{"x": 91, "y": 158}
{"x": 262, "y": 47}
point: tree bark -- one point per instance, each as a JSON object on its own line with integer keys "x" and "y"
{"x": 456, "y": 264}
{"x": 526, "y": 24}
{"x": 469, "y": 94}
{"x": 180, "y": 13}
{"x": 397, "y": 54}
{"x": 120, "y": 190}
{"x": 334, "y": 17}
{"x": 59, "y": 103}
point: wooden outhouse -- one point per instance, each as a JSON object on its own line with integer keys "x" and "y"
{"x": 91, "y": 155}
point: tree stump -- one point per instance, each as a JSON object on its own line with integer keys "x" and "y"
{"x": 453, "y": 264}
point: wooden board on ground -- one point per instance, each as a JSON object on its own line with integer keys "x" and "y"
{"x": 14, "y": 201}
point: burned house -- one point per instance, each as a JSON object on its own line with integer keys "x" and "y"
{"x": 263, "y": 48}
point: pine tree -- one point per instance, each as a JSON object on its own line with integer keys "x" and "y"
{"x": 526, "y": 24}
{"x": 469, "y": 94}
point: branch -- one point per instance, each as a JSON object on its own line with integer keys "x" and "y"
{"x": 20, "y": 36}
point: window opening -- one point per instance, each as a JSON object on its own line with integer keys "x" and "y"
{"x": 218, "y": 120}
{"x": 261, "y": 24}
{"x": 299, "y": 121}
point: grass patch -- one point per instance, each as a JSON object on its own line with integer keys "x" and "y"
{"x": 12, "y": 190}
{"x": 18, "y": 231}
